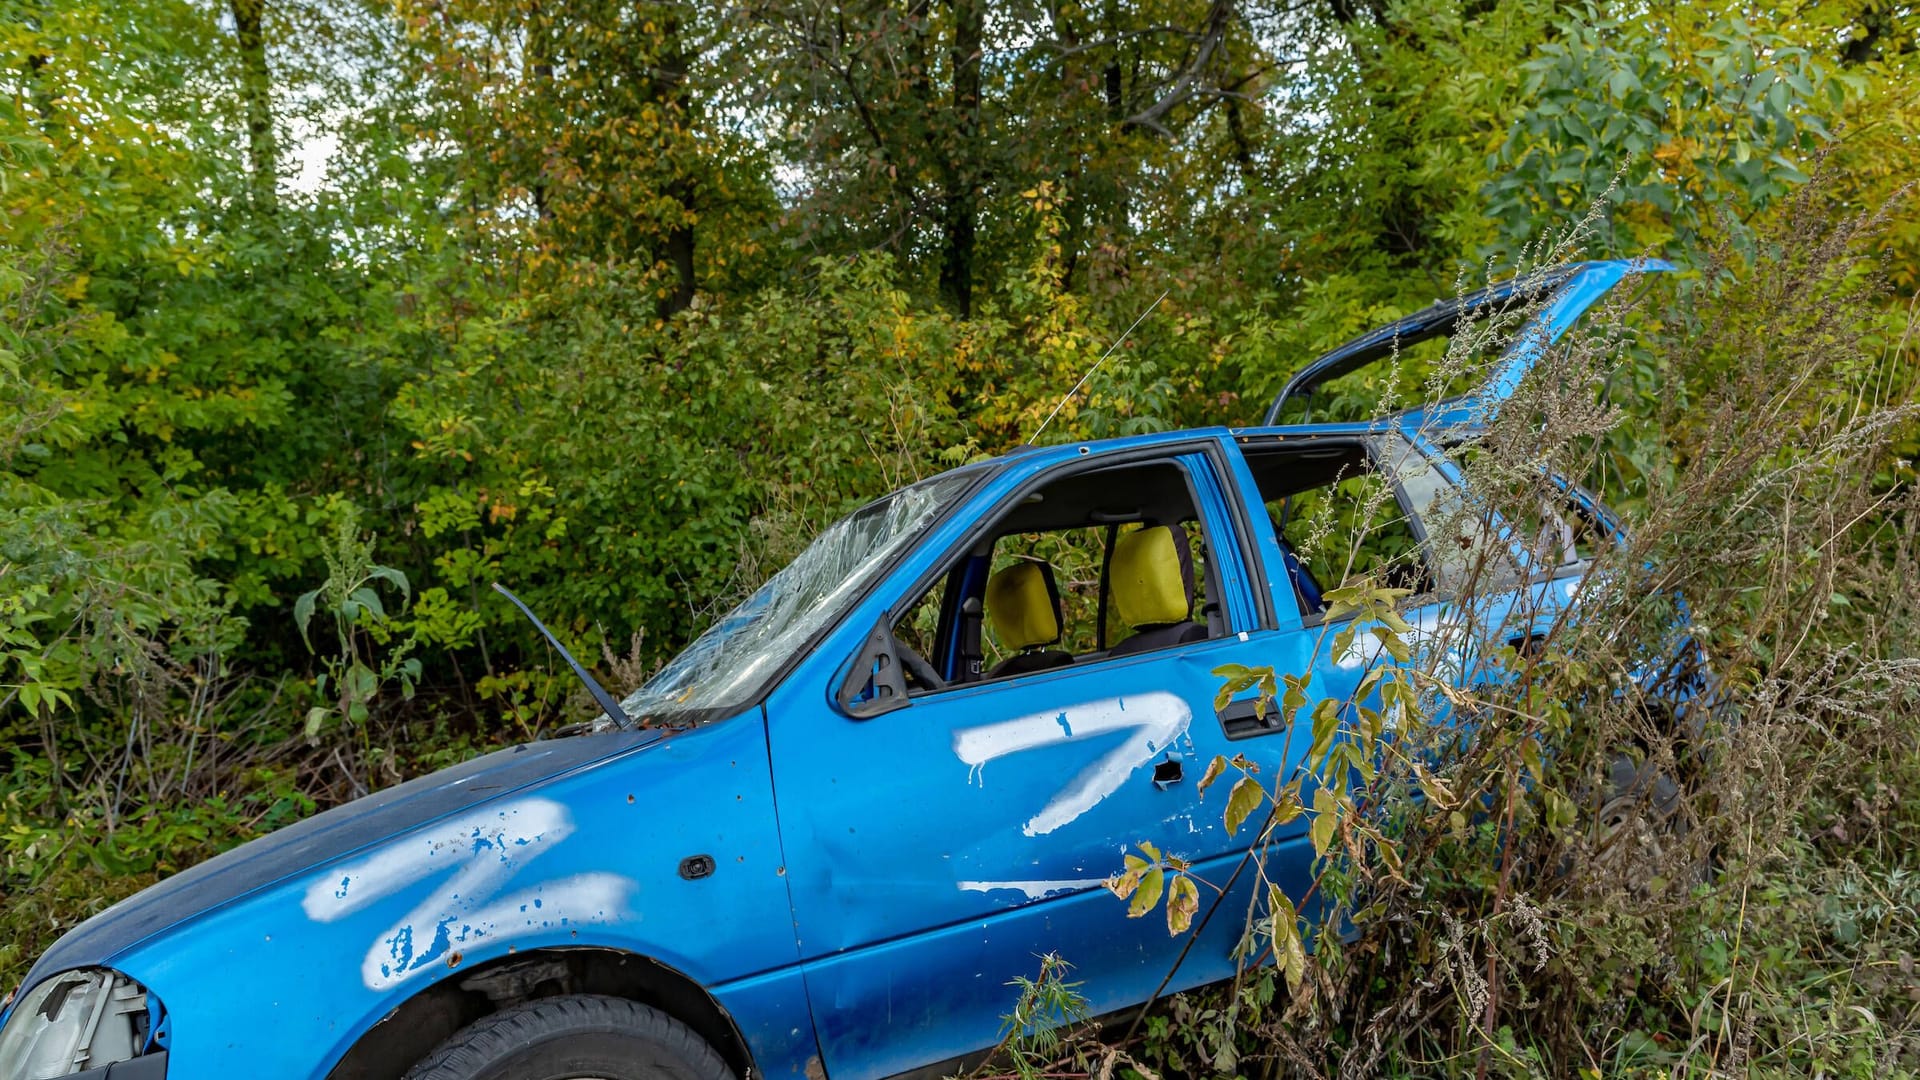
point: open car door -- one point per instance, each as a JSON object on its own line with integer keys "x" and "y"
{"x": 1546, "y": 301}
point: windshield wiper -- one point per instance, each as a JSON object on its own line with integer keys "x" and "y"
{"x": 605, "y": 700}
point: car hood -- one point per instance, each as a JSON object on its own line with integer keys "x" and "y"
{"x": 336, "y": 833}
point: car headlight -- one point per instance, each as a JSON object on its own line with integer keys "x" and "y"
{"x": 73, "y": 1022}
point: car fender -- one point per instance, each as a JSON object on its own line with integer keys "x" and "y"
{"x": 285, "y": 980}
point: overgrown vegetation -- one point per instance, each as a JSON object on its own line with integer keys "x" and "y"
{"x": 1606, "y": 851}
{"x": 376, "y": 302}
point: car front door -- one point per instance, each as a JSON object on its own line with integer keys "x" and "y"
{"x": 936, "y": 851}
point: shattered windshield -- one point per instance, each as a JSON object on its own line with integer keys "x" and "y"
{"x": 731, "y": 661}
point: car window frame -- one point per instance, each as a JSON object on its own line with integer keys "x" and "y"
{"x": 1171, "y": 454}
{"x": 1369, "y": 448}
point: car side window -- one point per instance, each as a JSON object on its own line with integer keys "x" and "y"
{"x": 1553, "y": 529}
{"x": 1096, "y": 564}
{"x": 1337, "y": 517}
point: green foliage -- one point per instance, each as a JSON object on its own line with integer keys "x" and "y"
{"x": 619, "y": 302}
{"x": 1696, "y": 113}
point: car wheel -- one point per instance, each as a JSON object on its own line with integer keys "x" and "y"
{"x": 1643, "y": 830}
{"x": 574, "y": 1038}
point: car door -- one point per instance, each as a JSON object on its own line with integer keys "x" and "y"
{"x": 1470, "y": 574}
{"x": 1347, "y": 505}
{"x": 935, "y": 852}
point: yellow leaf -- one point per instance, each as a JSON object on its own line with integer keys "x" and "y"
{"x": 1245, "y": 799}
{"x": 1183, "y": 901}
{"x": 1213, "y": 772}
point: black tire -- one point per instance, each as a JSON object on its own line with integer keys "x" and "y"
{"x": 1644, "y": 828}
{"x": 573, "y": 1038}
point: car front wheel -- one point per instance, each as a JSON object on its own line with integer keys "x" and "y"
{"x": 578, "y": 1037}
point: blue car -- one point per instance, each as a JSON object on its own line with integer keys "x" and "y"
{"x": 823, "y": 840}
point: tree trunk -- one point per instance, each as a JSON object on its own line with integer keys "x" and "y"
{"x": 540, "y": 61}
{"x": 961, "y": 208}
{"x": 256, "y": 91}
{"x": 669, "y": 88}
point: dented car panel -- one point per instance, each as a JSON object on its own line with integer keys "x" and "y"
{"x": 849, "y": 867}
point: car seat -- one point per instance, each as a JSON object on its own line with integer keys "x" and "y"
{"x": 1150, "y": 578}
{"x": 1023, "y": 604}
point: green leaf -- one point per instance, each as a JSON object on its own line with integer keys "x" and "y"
{"x": 1246, "y": 798}
{"x": 1321, "y": 833}
{"x": 1287, "y": 804}
{"x": 366, "y": 598}
{"x": 1326, "y": 724}
{"x": 1325, "y": 807}
{"x": 1396, "y": 646}
{"x": 1295, "y": 696}
{"x": 393, "y": 577}
{"x": 1343, "y": 640}
{"x": 303, "y": 613}
{"x": 1289, "y": 951}
{"x": 1148, "y": 895}
{"x": 1530, "y": 755}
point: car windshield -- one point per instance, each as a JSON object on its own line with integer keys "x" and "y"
{"x": 731, "y": 662}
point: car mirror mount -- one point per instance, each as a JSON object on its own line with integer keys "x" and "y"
{"x": 876, "y": 684}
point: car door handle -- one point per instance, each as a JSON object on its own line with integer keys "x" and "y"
{"x": 1168, "y": 771}
{"x": 1242, "y": 718}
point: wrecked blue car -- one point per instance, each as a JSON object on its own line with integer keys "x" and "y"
{"x": 822, "y": 841}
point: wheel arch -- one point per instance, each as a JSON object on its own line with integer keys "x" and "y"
{"x": 414, "y": 1027}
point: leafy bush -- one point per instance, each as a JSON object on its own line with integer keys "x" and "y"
{"x": 1614, "y": 854}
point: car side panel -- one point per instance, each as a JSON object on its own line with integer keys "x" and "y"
{"x": 281, "y": 983}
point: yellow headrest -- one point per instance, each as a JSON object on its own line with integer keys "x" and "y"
{"x": 1024, "y": 605}
{"x": 1151, "y": 576}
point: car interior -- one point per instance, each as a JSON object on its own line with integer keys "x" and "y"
{"x": 1107, "y": 563}
{"x": 1113, "y": 562}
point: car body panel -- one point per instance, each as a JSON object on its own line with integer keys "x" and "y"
{"x": 308, "y": 964}
{"x": 1568, "y": 292}
{"x": 1035, "y": 809}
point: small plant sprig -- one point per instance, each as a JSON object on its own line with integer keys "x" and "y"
{"x": 355, "y": 673}
{"x": 1048, "y": 1006}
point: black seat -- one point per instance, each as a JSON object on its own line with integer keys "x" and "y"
{"x": 1150, "y": 579}
{"x": 1023, "y": 603}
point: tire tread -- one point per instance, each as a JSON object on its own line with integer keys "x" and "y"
{"x": 483, "y": 1042}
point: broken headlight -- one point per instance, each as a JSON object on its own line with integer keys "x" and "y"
{"x": 73, "y": 1022}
